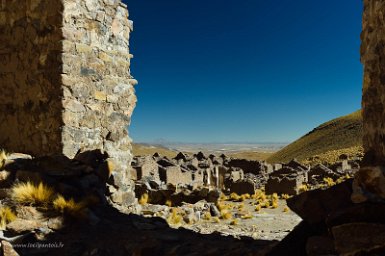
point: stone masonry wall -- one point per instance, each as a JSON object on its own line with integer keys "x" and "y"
{"x": 373, "y": 99}
{"x": 369, "y": 183}
{"x": 65, "y": 79}
{"x": 30, "y": 97}
{"x": 98, "y": 89}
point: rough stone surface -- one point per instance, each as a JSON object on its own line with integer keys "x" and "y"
{"x": 65, "y": 79}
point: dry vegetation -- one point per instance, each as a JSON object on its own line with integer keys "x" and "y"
{"x": 44, "y": 196}
{"x": 143, "y": 150}
{"x": 338, "y": 134}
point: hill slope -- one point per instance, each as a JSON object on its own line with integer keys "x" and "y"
{"x": 340, "y": 133}
{"x": 146, "y": 149}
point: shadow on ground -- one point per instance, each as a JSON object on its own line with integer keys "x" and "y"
{"x": 122, "y": 234}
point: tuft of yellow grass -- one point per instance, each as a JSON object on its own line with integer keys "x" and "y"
{"x": 329, "y": 181}
{"x": 286, "y": 209}
{"x": 235, "y": 197}
{"x": 143, "y": 199}
{"x": 274, "y": 204}
{"x": 226, "y": 215}
{"x": 258, "y": 207}
{"x": 216, "y": 219}
{"x": 168, "y": 203}
{"x": 3, "y": 157}
{"x": 285, "y": 196}
{"x": 70, "y": 207}
{"x": 175, "y": 218}
{"x": 303, "y": 188}
{"x": 207, "y": 216}
{"x": 6, "y": 216}
{"x": 29, "y": 193}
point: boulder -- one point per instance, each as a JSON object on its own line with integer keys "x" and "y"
{"x": 283, "y": 185}
{"x": 315, "y": 206}
{"x": 360, "y": 239}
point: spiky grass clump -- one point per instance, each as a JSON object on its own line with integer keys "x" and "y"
{"x": 207, "y": 216}
{"x": 143, "y": 199}
{"x": 286, "y": 209}
{"x": 29, "y": 193}
{"x": 258, "y": 207}
{"x": 168, "y": 203}
{"x": 285, "y": 196}
{"x": 175, "y": 218}
{"x": 3, "y": 158}
{"x": 329, "y": 182}
{"x": 6, "y": 216}
{"x": 303, "y": 188}
{"x": 69, "y": 207}
{"x": 216, "y": 220}
{"x": 226, "y": 215}
{"x": 235, "y": 197}
{"x": 245, "y": 196}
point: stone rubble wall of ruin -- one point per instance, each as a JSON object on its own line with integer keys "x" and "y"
{"x": 99, "y": 95}
{"x": 373, "y": 100}
{"x": 30, "y": 82}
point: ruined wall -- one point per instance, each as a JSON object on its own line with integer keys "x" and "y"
{"x": 369, "y": 183}
{"x": 65, "y": 79}
{"x": 30, "y": 96}
{"x": 98, "y": 88}
{"x": 373, "y": 100}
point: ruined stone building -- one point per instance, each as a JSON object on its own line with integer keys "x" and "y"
{"x": 65, "y": 79}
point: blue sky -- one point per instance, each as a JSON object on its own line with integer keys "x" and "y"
{"x": 242, "y": 71}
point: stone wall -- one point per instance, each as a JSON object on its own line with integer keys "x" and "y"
{"x": 370, "y": 180}
{"x": 65, "y": 79}
{"x": 373, "y": 100}
{"x": 30, "y": 82}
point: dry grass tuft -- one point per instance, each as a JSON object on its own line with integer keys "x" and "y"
{"x": 29, "y": 193}
{"x": 216, "y": 220}
{"x": 175, "y": 218}
{"x": 168, "y": 203}
{"x": 143, "y": 199}
{"x": 258, "y": 207}
{"x": 226, "y": 215}
{"x": 6, "y": 216}
{"x": 286, "y": 209}
{"x": 70, "y": 207}
{"x": 207, "y": 216}
{"x": 3, "y": 158}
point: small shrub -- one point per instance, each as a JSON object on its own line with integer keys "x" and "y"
{"x": 143, "y": 199}
{"x": 69, "y": 207}
{"x": 286, "y": 209}
{"x": 285, "y": 196}
{"x": 216, "y": 219}
{"x": 28, "y": 193}
{"x": 6, "y": 216}
{"x": 258, "y": 207}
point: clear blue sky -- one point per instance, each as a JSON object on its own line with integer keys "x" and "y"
{"x": 242, "y": 71}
